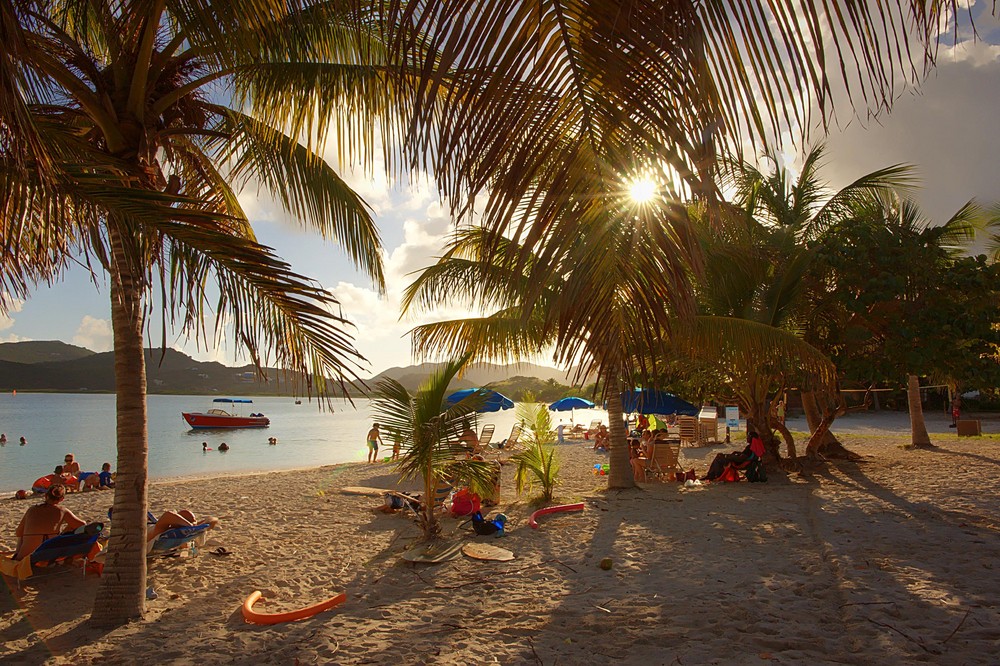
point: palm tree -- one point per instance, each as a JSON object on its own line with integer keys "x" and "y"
{"x": 128, "y": 130}
{"x": 761, "y": 268}
{"x": 429, "y": 434}
{"x": 558, "y": 99}
{"x": 595, "y": 301}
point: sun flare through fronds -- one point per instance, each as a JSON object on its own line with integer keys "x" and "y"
{"x": 642, "y": 190}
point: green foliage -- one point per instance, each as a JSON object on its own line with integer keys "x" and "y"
{"x": 429, "y": 433}
{"x": 532, "y": 389}
{"x": 537, "y": 463}
{"x": 897, "y": 300}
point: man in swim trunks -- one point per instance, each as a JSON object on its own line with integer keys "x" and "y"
{"x": 44, "y": 521}
{"x": 374, "y": 439}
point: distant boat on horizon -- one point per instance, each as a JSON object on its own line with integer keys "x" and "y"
{"x": 216, "y": 418}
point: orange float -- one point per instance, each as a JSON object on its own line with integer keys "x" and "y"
{"x": 553, "y": 509}
{"x": 250, "y": 615}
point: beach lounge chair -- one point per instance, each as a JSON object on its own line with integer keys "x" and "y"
{"x": 690, "y": 431}
{"x": 594, "y": 425}
{"x": 511, "y": 443}
{"x": 664, "y": 462}
{"x": 174, "y": 540}
{"x": 487, "y": 436}
{"x": 64, "y": 549}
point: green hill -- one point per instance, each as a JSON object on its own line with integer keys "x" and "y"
{"x": 41, "y": 351}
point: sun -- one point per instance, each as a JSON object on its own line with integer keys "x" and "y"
{"x": 642, "y": 190}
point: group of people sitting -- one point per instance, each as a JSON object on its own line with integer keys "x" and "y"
{"x": 73, "y": 479}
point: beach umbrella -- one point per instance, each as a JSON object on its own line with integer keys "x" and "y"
{"x": 492, "y": 400}
{"x": 571, "y": 403}
{"x": 648, "y": 401}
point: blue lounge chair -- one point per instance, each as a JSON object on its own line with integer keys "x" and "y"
{"x": 175, "y": 539}
{"x": 61, "y": 549}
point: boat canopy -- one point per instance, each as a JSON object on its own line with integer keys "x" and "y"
{"x": 240, "y": 400}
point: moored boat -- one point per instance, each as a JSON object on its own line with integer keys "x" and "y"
{"x": 220, "y": 418}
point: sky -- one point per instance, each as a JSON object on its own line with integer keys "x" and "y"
{"x": 947, "y": 129}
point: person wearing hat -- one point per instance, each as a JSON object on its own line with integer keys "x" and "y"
{"x": 44, "y": 521}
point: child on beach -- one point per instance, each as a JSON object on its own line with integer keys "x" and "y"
{"x": 106, "y": 478}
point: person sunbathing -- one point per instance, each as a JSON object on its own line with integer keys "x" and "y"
{"x": 738, "y": 459}
{"x": 44, "y": 521}
{"x": 170, "y": 519}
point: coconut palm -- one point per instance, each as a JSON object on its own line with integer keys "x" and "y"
{"x": 428, "y": 431}
{"x": 595, "y": 302}
{"x": 128, "y": 130}
{"x": 562, "y": 99}
{"x": 760, "y": 268}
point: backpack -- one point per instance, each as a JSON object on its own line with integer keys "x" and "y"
{"x": 484, "y": 527}
{"x": 756, "y": 472}
{"x": 464, "y": 503}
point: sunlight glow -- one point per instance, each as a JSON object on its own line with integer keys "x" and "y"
{"x": 642, "y": 191}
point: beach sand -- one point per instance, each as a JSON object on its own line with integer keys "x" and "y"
{"x": 889, "y": 560}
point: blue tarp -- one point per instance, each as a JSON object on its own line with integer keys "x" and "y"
{"x": 648, "y": 401}
{"x": 239, "y": 400}
{"x": 493, "y": 401}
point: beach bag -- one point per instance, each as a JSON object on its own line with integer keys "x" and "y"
{"x": 729, "y": 475}
{"x": 484, "y": 527}
{"x": 756, "y": 473}
{"x": 464, "y": 503}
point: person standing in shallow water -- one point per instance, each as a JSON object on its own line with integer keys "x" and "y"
{"x": 23, "y": 440}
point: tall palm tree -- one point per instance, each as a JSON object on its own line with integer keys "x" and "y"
{"x": 429, "y": 433}
{"x": 597, "y": 302}
{"x": 128, "y": 128}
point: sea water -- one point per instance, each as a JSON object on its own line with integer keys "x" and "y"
{"x": 83, "y": 424}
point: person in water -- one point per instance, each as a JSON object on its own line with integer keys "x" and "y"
{"x": 3, "y": 438}
{"x": 223, "y": 447}
{"x": 374, "y": 439}
{"x": 204, "y": 446}
{"x": 23, "y": 440}
{"x": 44, "y": 521}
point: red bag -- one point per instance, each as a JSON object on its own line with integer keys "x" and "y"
{"x": 464, "y": 503}
{"x": 729, "y": 474}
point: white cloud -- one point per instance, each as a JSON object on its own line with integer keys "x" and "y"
{"x": 94, "y": 334}
{"x": 6, "y": 321}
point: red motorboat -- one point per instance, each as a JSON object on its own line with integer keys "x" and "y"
{"x": 220, "y": 418}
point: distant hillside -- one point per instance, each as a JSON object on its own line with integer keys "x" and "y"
{"x": 177, "y": 373}
{"x": 479, "y": 375}
{"x": 57, "y": 366}
{"x": 41, "y": 351}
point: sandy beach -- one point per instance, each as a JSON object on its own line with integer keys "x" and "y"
{"x": 888, "y": 560}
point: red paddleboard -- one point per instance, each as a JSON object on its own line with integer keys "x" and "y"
{"x": 533, "y": 521}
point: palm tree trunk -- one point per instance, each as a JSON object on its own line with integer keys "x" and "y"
{"x": 620, "y": 475}
{"x": 918, "y": 429}
{"x": 121, "y": 596}
{"x": 814, "y": 418}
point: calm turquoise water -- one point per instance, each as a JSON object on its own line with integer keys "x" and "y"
{"x": 84, "y": 424}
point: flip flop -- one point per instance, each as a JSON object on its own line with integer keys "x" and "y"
{"x": 221, "y": 550}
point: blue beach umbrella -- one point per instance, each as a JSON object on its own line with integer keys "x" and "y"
{"x": 571, "y": 403}
{"x": 492, "y": 401}
{"x": 648, "y": 401}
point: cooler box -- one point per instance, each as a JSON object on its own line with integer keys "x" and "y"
{"x": 969, "y": 428}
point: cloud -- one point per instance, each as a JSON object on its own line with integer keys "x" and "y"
{"x": 94, "y": 334}
{"x": 6, "y": 321}
{"x": 946, "y": 131}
